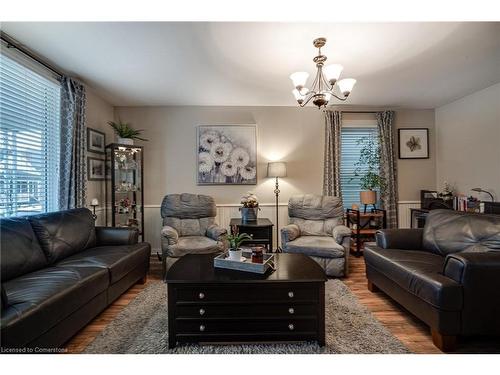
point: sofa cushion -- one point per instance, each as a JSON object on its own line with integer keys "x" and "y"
{"x": 448, "y": 232}
{"x": 64, "y": 233}
{"x": 118, "y": 260}
{"x": 319, "y": 246}
{"x": 194, "y": 245}
{"x": 20, "y": 252}
{"x": 418, "y": 272}
{"x": 41, "y": 299}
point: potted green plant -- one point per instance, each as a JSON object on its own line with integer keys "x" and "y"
{"x": 367, "y": 169}
{"x": 249, "y": 207}
{"x": 235, "y": 239}
{"x": 125, "y": 133}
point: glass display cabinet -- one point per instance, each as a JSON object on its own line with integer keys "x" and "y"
{"x": 124, "y": 187}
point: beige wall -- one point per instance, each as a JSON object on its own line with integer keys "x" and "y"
{"x": 468, "y": 134}
{"x": 295, "y": 135}
{"x": 99, "y": 112}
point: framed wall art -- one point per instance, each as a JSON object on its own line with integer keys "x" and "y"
{"x": 96, "y": 169}
{"x": 227, "y": 155}
{"x": 96, "y": 141}
{"x": 413, "y": 143}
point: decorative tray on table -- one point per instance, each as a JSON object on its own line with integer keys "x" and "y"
{"x": 246, "y": 264}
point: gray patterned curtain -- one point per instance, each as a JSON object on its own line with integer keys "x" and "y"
{"x": 73, "y": 166}
{"x": 389, "y": 194}
{"x": 331, "y": 171}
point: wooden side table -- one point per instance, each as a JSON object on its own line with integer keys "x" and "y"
{"x": 363, "y": 226}
{"x": 260, "y": 230}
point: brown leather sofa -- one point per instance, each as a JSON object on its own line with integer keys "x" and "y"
{"x": 59, "y": 271}
{"x": 447, "y": 274}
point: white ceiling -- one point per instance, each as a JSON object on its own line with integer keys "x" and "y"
{"x": 418, "y": 65}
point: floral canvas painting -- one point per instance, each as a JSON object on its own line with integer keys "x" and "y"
{"x": 227, "y": 154}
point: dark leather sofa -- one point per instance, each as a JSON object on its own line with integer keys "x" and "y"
{"x": 447, "y": 274}
{"x": 59, "y": 271}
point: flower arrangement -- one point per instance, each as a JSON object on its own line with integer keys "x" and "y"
{"x": 447, "y": 192}
{"x": 249, "y": 200}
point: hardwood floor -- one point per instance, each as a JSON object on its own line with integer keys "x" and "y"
{"x": 414, "y": 334}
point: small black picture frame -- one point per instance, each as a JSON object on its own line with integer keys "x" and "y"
{"x": 96, "y": 141}
{"x": 413, "y": 143}
{"x": 96, "y": 169}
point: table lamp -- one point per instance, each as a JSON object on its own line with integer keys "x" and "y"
{"x": 479, "y": 190}
{"x": 276, "y": 170}
{"x": 94, "y": 203}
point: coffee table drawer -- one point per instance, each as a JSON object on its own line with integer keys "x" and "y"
{"x": 244, "y": 310}
{"x": 247, "y": 293}
{"x": 221, "y": 326}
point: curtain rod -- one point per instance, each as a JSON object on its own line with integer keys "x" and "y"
{"x": 11, "y": 43}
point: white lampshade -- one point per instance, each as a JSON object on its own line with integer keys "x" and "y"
{"x": 94, "y": 202}
{"x": 298, "y": 96}
{"x": 327, "y": 95}
{"x": 346, "y": 85}
{"x": 299, "y": 79}
{"x": 276, "y": 169}
{"x": 332, "y": 72}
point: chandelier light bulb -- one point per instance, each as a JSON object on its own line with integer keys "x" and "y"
{"x": 346, "y": 85}
{"x": 332, "y": 72}
{"x": 299, "y": 79}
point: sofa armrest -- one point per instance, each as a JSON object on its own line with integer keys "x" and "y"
{"x": 216, "y": 232}
{"x": 108, "y": 236}
{"x": 340, "y": 232}
{"x": 169, "y": 236}
{"x": 289, "y": 233}
{"x": 404, "y": 239}
{"x": 480, "y": 269}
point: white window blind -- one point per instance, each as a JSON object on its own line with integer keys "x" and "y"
{"x": 350, "y": 155}
{"x": 29, "y": 139}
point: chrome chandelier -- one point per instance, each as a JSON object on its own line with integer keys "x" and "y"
{"x": 324, "y": 85}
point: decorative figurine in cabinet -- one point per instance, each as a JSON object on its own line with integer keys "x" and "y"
{"x": 124, "y": 187}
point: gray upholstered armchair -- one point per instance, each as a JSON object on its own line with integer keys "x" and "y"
{"x": 189, "y": 227}
{"x": 316, "y": 229}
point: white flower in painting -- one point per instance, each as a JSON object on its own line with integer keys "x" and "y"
{"x": 208, "y": 138}
{"x": 228, "y": 169}
{"x": 248, "y": 172}
{"x": 240, "y": 157}
{"x": 220, "y": 151}
{"x": 205, "y": 162}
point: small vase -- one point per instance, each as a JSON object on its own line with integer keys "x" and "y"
{"x": 125, "y": 141}
{"x": 235, "y": 254}
{"x": 249, "y": 214}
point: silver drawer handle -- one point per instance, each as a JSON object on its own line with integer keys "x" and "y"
{"x": 290, "y": 294}
{"x": 291, "y": 327}
{"x": 291, "y": 310}
{"x": 202, "y": 311}
{"x": 201, "y": 295}
{"x": 202, "y": 328}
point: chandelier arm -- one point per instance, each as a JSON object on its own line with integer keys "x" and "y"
{"x": 304, "y": 103}
{"x": 315, "y": 82}
{"x": 338, "y": 97}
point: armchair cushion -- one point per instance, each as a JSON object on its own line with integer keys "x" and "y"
{"x": 319, "y": 246}
{"x": 107, "y": 236}
{"x": 339, "y": 232}
{"x": 403, "y": 239}
{"x": 289, "y": 233}
{"x": 194, "y": 245}
{"x": 215, "y": 232}
{"x": 170, "y": 235}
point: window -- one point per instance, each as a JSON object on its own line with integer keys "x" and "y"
{"x": 350, "y": 184}
{"x": 29, "y": 138}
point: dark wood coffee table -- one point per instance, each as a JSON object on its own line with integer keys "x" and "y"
{"x": 207, "y": 304}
